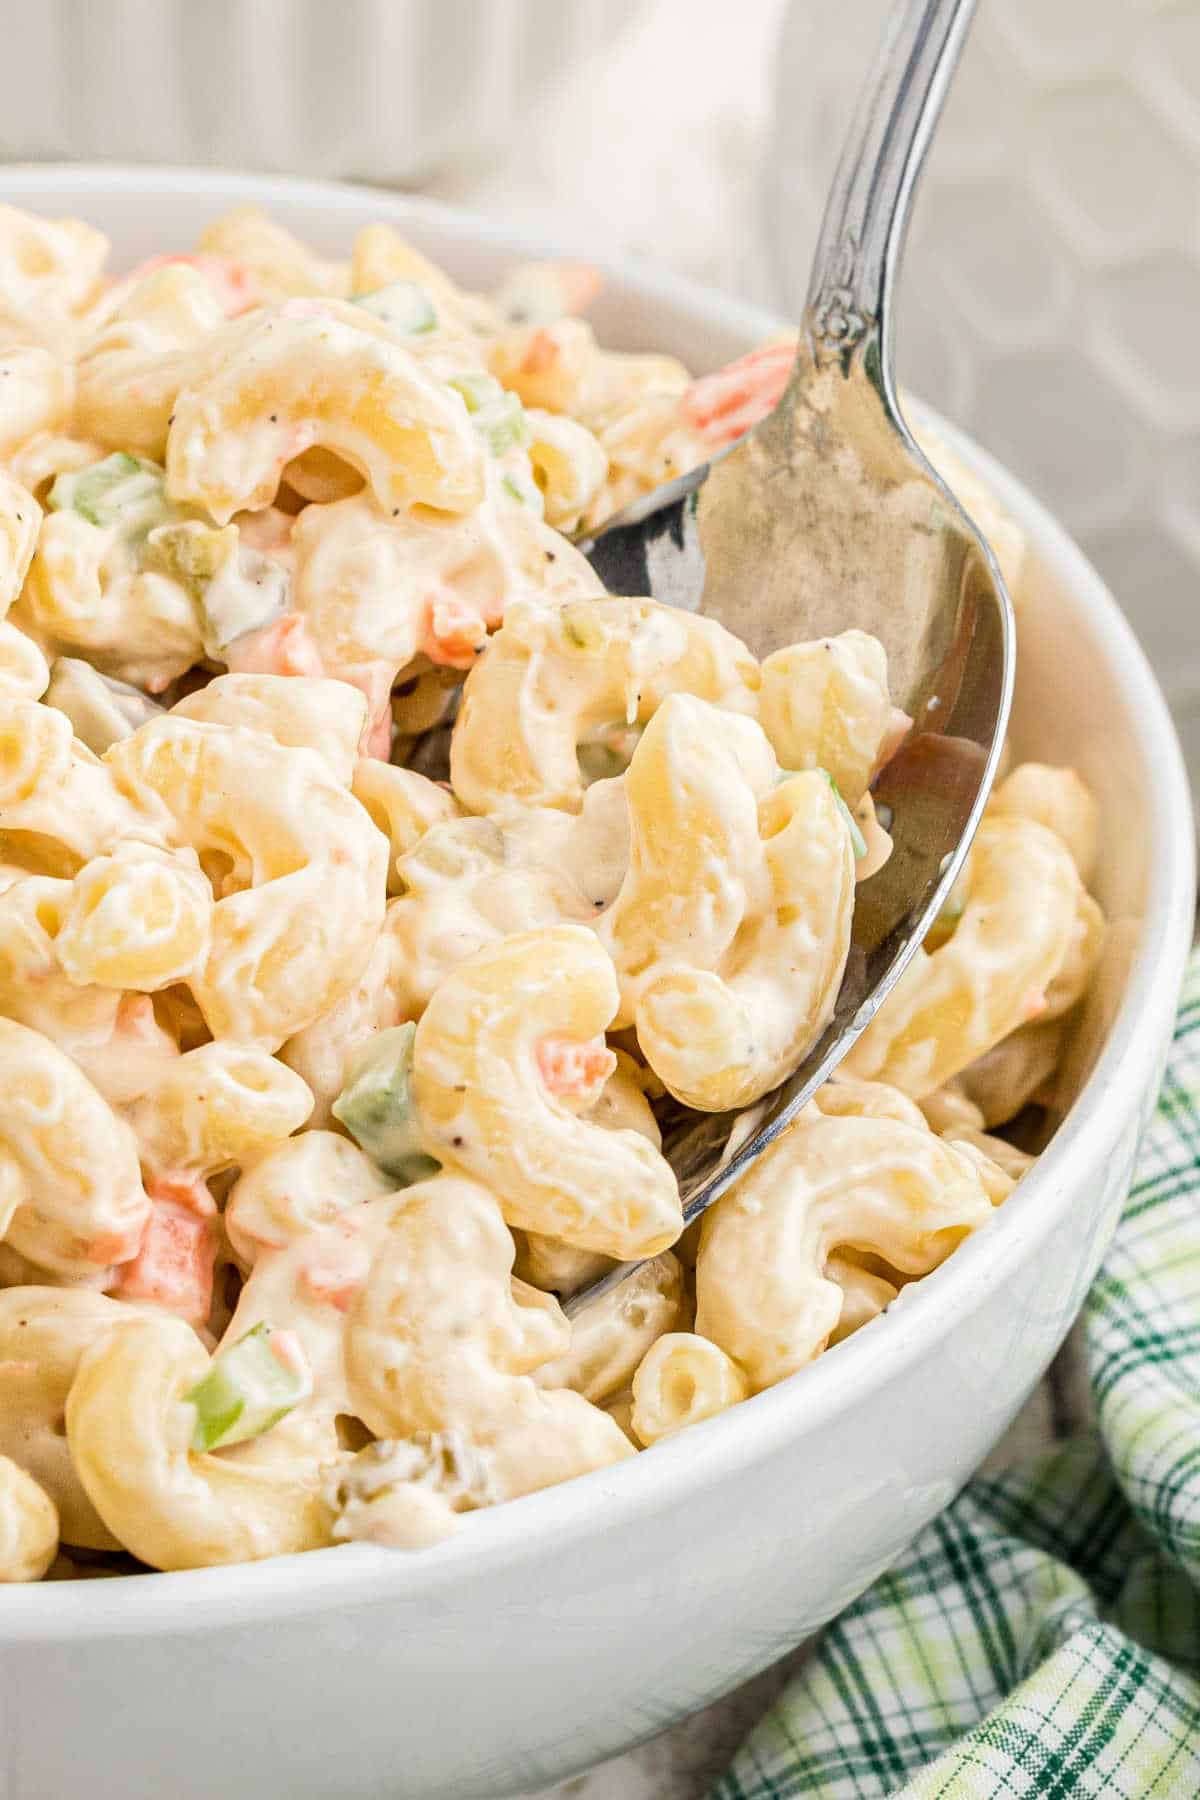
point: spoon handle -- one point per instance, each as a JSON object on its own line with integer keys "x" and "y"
{"x": 862, "y": 232}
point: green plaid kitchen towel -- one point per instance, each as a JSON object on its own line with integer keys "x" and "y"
{"x": 1042, "y": 1637}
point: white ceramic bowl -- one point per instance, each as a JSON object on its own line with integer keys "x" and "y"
{"x": 561, "y": 1629}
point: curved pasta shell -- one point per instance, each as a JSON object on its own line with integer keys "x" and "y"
{"x": 320, "y": 373}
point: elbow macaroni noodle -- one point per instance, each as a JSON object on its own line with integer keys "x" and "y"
{"x": 1023, "y": 948}
{"x": 682, "y": 1379}
{"x": 28, "y": 1525}
{"x": 20, "y": 522}
{"x": 72, "y": 1192}
{"x": 320, "y": 373}
{"x": 732, "y": 926}
{"x": 444, "y": 1271}
{"x": 763, "y": 1293}
{"x": 174, "y": 1508}
{"x": 301, "y": 902}
{"x": 551, "y": 677}
{"x": 488, "y": 1097}
{"x": 326, "y": 1081}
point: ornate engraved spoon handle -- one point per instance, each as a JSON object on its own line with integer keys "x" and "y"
{"x": 862, "y": 232}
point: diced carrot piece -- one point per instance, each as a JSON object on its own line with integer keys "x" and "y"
{"x": 281, "y": 648}
{"x": 454, "y": 633}
{"x": 337, "y": 1271}
{"x": 187, "y": 1191}
{"x": 115, "y": 1246}
{"x": 232, "y": 282}
{"x": 541, "y": 354}
{"x": 721, "y": 407}
{"x": 572, "y": 1070}
{"x": 174, "y": 1266}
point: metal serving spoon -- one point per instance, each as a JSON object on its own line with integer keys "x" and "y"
{"x": 825, "y": 516}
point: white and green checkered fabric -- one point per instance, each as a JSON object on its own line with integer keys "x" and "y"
{"x": 1043, "y": 1636}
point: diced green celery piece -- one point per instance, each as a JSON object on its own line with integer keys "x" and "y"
{"x": 512, "y": 487}
{"x": 607, "y": 751}
{"x": 403, "y": 305}
{"x": 190, "y": 552}
{"x": 376, "y": 1106}
{"x": 580, "y": 626}
{"x": 856, "y": 837}
{"x": 477, "y": 389}
{"x": 508, "y": 429}
{"x": 497, "y": 415}
{"x": 122, "y": 490}
{"x": 503, "y": 425}
{"x": 248, "y": 1388}
{"x": 235, "y": 588}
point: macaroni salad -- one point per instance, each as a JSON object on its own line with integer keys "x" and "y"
{"x": 325, "y": 1081}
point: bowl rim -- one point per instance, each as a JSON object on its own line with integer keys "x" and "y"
{"x": 512, "y": 237}
{"x": 560, "y": 1518}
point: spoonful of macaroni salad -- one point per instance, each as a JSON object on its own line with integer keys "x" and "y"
{"x": 815, "y": 521}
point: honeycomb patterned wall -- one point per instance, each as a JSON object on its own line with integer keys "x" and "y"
{"x": 1051, "y": 297}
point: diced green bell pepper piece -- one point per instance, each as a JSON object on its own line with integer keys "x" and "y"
{"x": 522, "y": 495}
{"x": 376, "y": 1106}
{"x": 581, "y": 627}
{"x": 122, "y": 490}
{"x": 249, "y": 1388}
{"x": 608, "y": 751}
{"x": 403, "y": 305}
{"x": 191, "y": 552}
{"x": 235, "y": 588}
{"x": 478, "y": 389}
{"x": 497, "y": 415}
